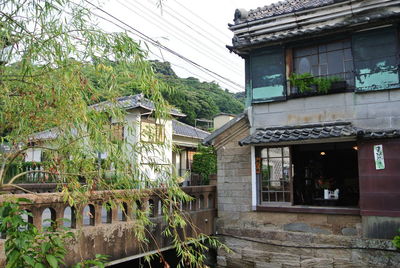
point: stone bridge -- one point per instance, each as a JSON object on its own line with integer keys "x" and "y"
{"x": 111, "y": 232}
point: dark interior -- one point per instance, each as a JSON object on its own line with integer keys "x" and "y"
{"x": 325, "y": 166}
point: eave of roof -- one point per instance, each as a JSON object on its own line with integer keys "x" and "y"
{"x": 338, "y": 16}
{"x": 280, "y": 8}
{"x": 185, "y": 130}
{"x": 313, "y": 132}
{"x": 134, "y": 102}
{"x": 208, "y": 140}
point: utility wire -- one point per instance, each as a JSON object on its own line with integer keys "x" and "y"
{"x": 203, "y": 20}
{"x": 185, "y": 39}
{"x": 155, "y": 43}
{"x": 194, "y": 45}
{"x": 138, "y": 35}
{"x": 212, "y": 40}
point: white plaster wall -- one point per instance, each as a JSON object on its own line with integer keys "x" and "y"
{"x": 33, "y": 155}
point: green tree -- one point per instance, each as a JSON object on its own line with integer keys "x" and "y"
{"x": 55, "y": 62}
{"x": 205, "y": 162}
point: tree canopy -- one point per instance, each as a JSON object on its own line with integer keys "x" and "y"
{"x": 55, "y": 62}
{"x": 194, "y": 98}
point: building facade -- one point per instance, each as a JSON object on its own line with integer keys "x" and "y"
{"x": 309, "y": 176}
{"x": 174, "y": 142}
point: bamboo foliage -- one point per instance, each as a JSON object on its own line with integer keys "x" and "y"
{"x": 50, "y": 51}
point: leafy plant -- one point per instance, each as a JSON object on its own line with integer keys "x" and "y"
{"x": 25, "y": 245}
{"x": 205, "y": 162}
{"x": 396, "y": 241}
{"x": 55, "y": 63}
{"x": 99, "y": 262}
{"x": 306, "y": 82}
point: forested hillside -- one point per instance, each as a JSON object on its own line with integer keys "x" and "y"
{"x": 194, "y": 98}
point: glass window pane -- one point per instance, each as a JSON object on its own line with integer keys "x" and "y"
{"x": 322, "y": 58}
{"x": 335, "y": 62}
{"x": 331, "y": 59}
{"x": 287, "y": 196}
{"x": 274, "y": 177}
{"x": 275, "y": 152}
{"x": 265, "y": 173}
{"x": 280, "y": 197}
{"x": 286, "y": 169}
{"x": 264, "y": 153}
{"x": 304, "y": 65}
{"x": 375, "y": 60}
{"x": 264, "y": 197}
{"x": 276, "y": 170}
{"x": 267, "y": 72}
{"x": 322, "y": 48}
{"x": 335, "y": 46}
{"x": 286, "y": 151}
{"x": 347, "y": 54}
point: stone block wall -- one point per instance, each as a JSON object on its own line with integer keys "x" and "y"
{"x": 273, "y": 239}
{"x": 234, "y": 171}
{"x": 284, "y": 239}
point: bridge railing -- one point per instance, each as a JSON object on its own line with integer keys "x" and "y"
{"x": 109, "y": 228}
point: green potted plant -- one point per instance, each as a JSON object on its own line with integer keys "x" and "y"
{"x": 307, "y": 84}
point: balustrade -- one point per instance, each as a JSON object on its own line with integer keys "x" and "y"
{"x": 49, "y": 207}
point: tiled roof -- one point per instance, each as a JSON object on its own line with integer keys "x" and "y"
{"x": 182, "y": 129}
{"x": 314, "y": 132}
{"x": 298, "y": 133}
{"x": 293, "y": 33}
{"x": 134, "y": 101}
{"x": 380, "y": 134}
{"x": 284, "y": 7}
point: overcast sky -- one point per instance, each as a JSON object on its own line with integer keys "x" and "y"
{"x": 197, "y": 30}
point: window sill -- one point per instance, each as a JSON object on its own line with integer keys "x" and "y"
{"x": 266, "y": 100}
{"x": 311, "y": 209}
{"x": 358, "y": 91}
{"x": 315, "y": 93}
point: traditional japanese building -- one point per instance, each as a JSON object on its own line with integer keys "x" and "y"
{"x": 309, "y": 174}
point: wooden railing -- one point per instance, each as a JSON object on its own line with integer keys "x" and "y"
{"x": 110, "y": 232}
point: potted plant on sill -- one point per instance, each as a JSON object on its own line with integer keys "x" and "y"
{"x": 307, "y": 84}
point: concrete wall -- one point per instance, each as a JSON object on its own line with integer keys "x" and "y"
{"x": 117, "y": 239}
{"x": 222, "y": 119}
{"x": 378, "y": 109}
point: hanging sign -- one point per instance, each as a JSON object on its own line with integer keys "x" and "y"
{"x": 379, "y": 159}
{"x": 258, "y": 165}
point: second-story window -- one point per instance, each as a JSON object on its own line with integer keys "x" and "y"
{"x": 151, "y": 131}
{"x": 333, "y": 59}
{"x": 117, "y": 131}
{"x": 376, "y": 59}
{"x": 267, "y": 75}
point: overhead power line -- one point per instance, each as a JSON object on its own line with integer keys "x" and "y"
{"x": 206, "y": 36}
{"x": 158, "y": 44}
{"x": 193, "y": 42}
{"x": 222, "y": 81}
{"x": 203, "y": 20}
